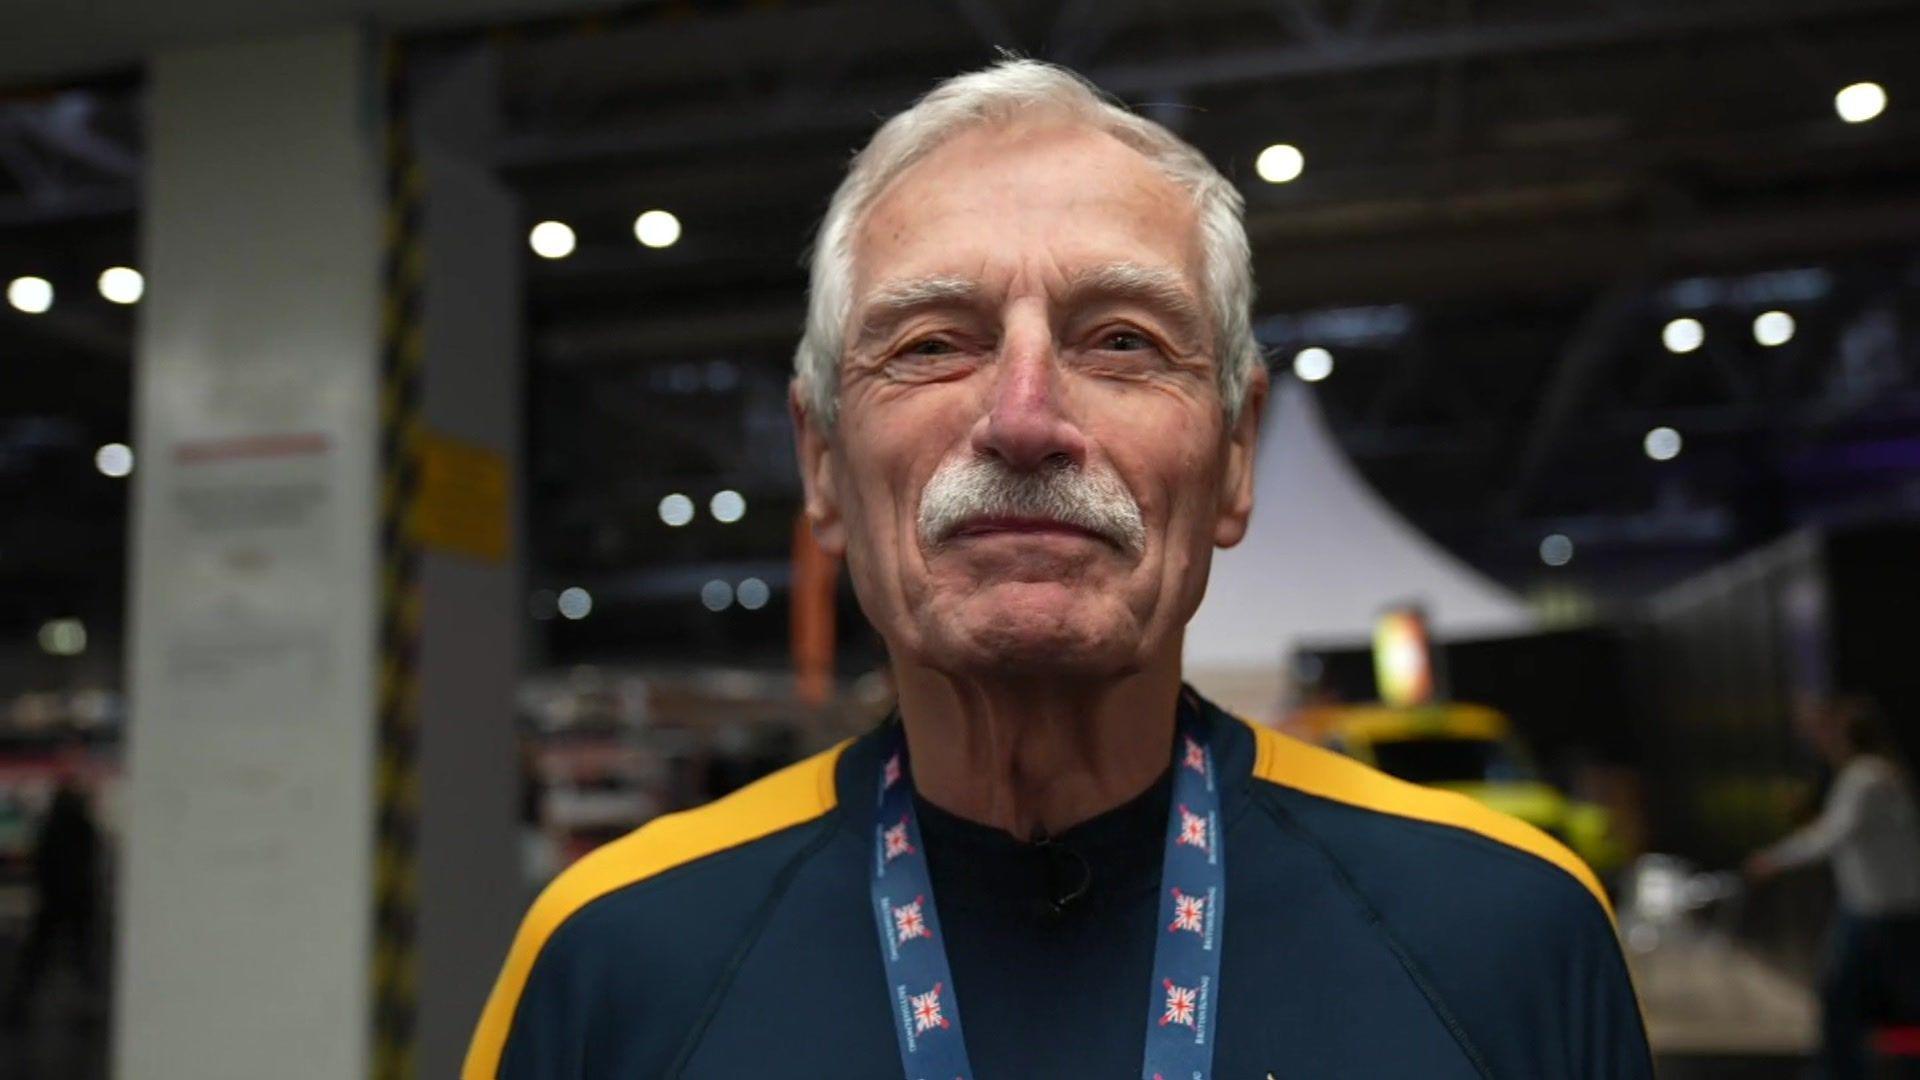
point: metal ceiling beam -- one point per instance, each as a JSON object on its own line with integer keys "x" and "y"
{"x": 1531, "y": 257}
{"x": 722, "y": 123}
{"x": 788, "y": 36}
{"x": 1482, "y": 40}
{"x": 66, "y": 124}
{"x": 696, "y": 334}
{"x": 62, "y": 328}
{"x": 1522, "y": 257}
{"x": 776, "y": 182}
{"x": 69, "y": 204}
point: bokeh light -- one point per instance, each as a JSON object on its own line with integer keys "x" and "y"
{"x": 1771, "y": 328}
{"x": 122, "y": 284}
{"x": 114, "y": 459}
{"x": 552, "y": 240}
{"x": 1556, "y": 550}
{"x": 1683, "y": 335}
{"x": 1312, "y": 363}
{"x": 676, "y": 510}
{"x": 753, "y": 594}
{"x": 32, "y": 295}
{"x": 656, "y": 229}
{"x": 575, "y": 602}
{"x": 1860, "y": 102}
{"x": 727, "y": 506}
{"x": 1280, "y": 163}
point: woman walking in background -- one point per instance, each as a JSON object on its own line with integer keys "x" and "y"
{"x": 1869, "y": 829}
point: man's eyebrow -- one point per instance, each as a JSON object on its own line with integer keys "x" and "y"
{"x": 1156, "y": 286}
{"x": 1161, "y": 288}
{"x": 895, "y": 300}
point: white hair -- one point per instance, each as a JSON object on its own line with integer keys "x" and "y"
{"x": 996, "y": 95}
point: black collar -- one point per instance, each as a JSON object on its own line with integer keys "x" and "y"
{"x": 1109, "y": 858}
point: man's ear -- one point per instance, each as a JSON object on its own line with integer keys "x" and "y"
{"x": 814, "y": 449}
{"x": 1236, "y": 481}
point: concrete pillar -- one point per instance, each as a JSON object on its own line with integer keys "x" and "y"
{"x": 471, "y": 890}
{"x": 246, "y": 908}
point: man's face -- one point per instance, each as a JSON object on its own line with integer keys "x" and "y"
{"x": 1031, "y": 466}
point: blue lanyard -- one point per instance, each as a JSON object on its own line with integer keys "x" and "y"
{"x": 1182, "y": 1001}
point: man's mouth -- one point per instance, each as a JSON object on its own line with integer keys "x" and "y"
{"x": 1033, "y": 526}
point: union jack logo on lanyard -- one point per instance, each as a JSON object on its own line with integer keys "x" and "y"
{"x": 910, "y": 922}
{"x": 895, "y": 840}
{"x": 1193, "y": 828}
{"x": 1180, "y": 1004}
{"x": 1187, "y": 911}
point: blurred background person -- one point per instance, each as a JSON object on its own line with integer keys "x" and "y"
{"x": 66, "y": 881}
{"x": 1869, "y": 829}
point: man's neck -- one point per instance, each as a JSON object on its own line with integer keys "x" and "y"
{"x": 1037, "y": 756}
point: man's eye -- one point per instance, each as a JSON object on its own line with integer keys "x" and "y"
{"x": 1124, "y": 341}
{"x": 929, "y": 347}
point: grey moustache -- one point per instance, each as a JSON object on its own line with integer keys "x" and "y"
{"x": 965, "y": 487}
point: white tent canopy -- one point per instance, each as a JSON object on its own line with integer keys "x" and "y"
{"x": 1322, "y": 556}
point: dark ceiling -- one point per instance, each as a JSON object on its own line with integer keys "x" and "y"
{"x": 1503, "y": 203}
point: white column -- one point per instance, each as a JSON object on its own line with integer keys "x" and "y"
{"x": 244, "y": 907}
{"x": 248, "y": 892}
{"x": 473, "y": 604}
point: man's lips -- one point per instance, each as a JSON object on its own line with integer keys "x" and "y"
{"x": 999, "y": 526}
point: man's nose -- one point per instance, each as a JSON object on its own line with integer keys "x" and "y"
{"x": 1026, "y": 424}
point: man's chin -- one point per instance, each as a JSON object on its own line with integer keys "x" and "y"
{"x": 1023, "y": 640}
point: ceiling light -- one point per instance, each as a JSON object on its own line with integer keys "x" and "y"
{"x": 1683, "y": 335}
{"x": 63, "y": 637}
{"x": 1772, "y": 328}
{"x": 114, "y": 459}
{"x": 656, "y": 229}
{"x": 1556, "y": 550}
{"x": 1860, "y": 102}
{"x": 1662, "y": 444}
{"x": 33, "y": 295}
{"x": 575, "y": 602}
{"x": 1279, "y": 163}
{"x": 1313, "y": 363}
{"x": 122, "y": 284}
{"x": 727, "y": 506}
{"x": 552, "y": 240}
{"x": 753, "y": 594}
{"x": 676, "y": 510}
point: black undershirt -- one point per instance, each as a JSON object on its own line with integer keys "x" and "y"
{"x": 1051, "y": 941}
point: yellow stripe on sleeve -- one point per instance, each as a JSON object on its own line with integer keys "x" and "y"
{"x": 1284, "y": 760}
{"x": 796, "y": 794}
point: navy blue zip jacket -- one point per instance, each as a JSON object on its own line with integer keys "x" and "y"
{"x": 1373, "y": 929}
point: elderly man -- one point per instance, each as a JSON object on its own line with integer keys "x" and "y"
{"x": 1026, "y": 404}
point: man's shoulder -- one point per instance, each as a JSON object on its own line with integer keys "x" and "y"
{"x": 693, "y": 863}
{"x": 795, "y": 795}
{"x": 1425, "y": 838}
{"x": 1506, "y": 932}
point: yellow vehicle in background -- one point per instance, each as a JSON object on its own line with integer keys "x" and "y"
{"x": 1466, "y": 748}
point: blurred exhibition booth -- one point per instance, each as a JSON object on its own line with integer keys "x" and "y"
{"x": 400, "y": 496}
